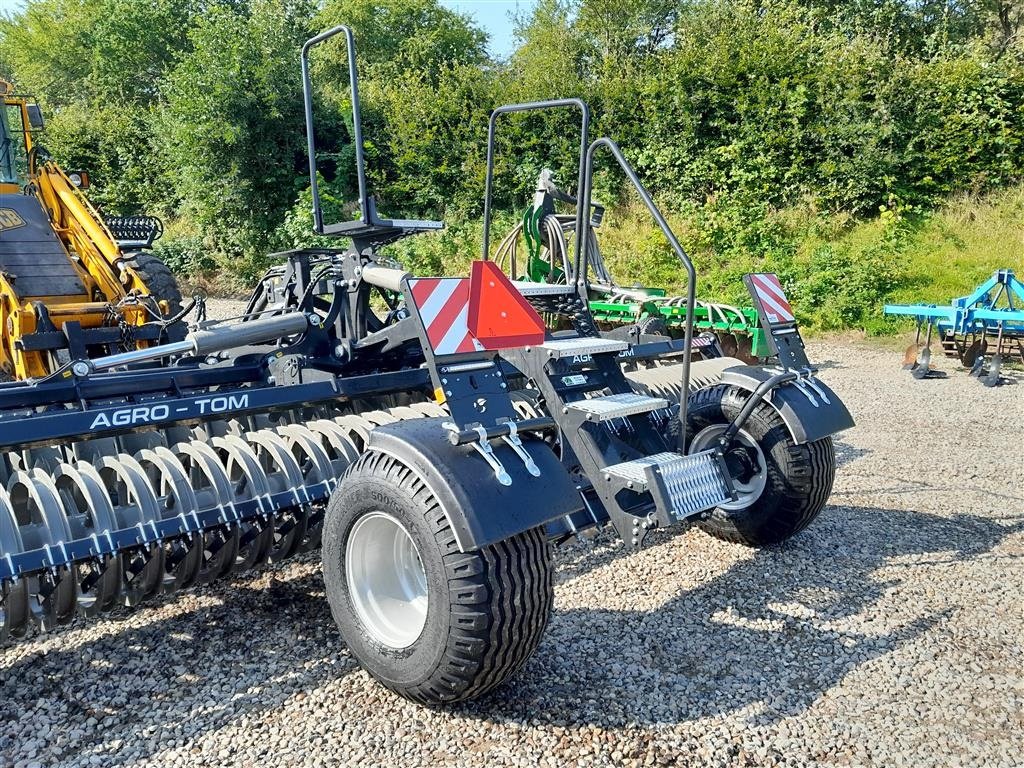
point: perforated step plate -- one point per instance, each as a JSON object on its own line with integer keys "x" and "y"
{"x": 682, "y": 486}
{"x": 617, "y": 406}
{"x": 581, "y": 345}
{"x": 542, "y": 289}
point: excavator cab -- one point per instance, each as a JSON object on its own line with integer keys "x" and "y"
{"x": 14, "y": 141}
{"x": 68, "y": 288}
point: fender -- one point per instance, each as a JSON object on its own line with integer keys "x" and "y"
{"x": 480, "y": 510}
{"x": 810, "y": 409}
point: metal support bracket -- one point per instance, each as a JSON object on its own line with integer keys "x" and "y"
{"x": 512, "y": 438}
{"x": 483, "y": 447}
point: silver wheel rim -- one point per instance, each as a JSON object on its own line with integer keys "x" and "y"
{"x": 746, "y": 493}
{"x": 386, "y": 580}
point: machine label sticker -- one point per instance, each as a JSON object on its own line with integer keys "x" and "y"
{"x": 10, "y": 219}
{"x": 147, "y": 414}
{"x": 574, "y": 381}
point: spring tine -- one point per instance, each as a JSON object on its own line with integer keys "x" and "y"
{"x": 378, "y": 418}
{"x": 175, "y": 497}
{"x": 357, "y": 428}
{"x": 53, "y": 594}
{"x": 14, "y": 612}
{"x": 205, "y": 460}
{"x": 320, "y": 470}
{"x": 287, "y": 479}
{"x": 135, "y": 507}
{"x": 241, "y": 458}
{"x": 429, "y": 409}
{"x": 248, "y": 481}
{"x": 90, "y": 514}
{"x": 337, "y": 440}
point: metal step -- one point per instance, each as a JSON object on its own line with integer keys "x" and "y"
{"x": 681, "y": 485}
{"x": 617, "y": 406}
{"x": 542, "y": 289}
{"x": 582, "y": 345}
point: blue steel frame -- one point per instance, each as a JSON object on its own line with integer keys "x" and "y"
{"x": 978, "y": 311}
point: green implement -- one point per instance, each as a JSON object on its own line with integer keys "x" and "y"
{"x": 545, "y": 233}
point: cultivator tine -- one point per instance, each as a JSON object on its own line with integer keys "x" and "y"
{"x": 922, "y": 363}
{"x": 972, "y": 352}
{"x": 991, "y": 374}
{"x": 911, "y": 354}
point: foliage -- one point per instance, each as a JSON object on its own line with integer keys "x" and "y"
{"x": 817, "y": 138}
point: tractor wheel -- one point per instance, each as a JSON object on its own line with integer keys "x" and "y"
{"x": 162, "y": 285}
{"x": 782, "y": 486}
{"x": 431, "y": 623}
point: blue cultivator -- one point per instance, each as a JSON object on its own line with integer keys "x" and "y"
{"x": 995, "y": 309}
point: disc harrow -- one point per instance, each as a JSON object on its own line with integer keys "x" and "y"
{"x": 115, "y": 521}
{"x": 313, "y": 420}
{"x": 546, "y": 236}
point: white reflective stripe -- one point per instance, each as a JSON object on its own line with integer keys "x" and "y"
{"x": 455, "y": 334}
{"x": 773, "y": 286}
{"x": 438, "y": 298}
{"x": 772, "y": 297}
{"x": 773, "y": 306}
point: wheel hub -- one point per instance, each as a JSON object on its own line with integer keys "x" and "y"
{"x": 386, "y": 580}
{"x": 745, "y": 460}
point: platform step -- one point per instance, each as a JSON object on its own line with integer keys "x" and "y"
{"x": 543, "y": 289}
{"x": 582, "y": 345}
{"x": 617, "y": 406}
{"x": 682, "y": 486}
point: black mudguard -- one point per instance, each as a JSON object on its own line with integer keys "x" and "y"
{"x": 480, "y": 510}
{"x": 810, "y": 412}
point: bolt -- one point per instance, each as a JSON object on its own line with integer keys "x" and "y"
{"x": 636, "y": 541}
{"x": 81, "y": 368}
{"x": 448, "y": 393}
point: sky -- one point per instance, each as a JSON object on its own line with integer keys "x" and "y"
{"x": 494, "y": 16}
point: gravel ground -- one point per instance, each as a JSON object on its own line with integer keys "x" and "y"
{"x": 889, "y": 633}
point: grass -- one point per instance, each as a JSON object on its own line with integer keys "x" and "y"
{"x": 839, "y": 271}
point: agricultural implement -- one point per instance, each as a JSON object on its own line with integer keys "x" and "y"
{"x": 434, "y": 449}
{"x": 979, "y": 329}
{"x": 546, "y": 235}
{"x": 72, "y": 284}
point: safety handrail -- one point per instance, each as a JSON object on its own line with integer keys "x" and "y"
{"x": 532, "y": 106}
{"x": 691, "y": 273}
{"x": 357, "y": 123}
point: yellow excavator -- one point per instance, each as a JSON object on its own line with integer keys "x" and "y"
{"x": 72, "y": 284}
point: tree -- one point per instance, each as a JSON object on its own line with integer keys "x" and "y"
{"x": 231, "y": 126}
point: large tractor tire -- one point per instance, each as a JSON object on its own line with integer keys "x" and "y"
{"x": 431, "y": 623}
{"x": 162, "y": 285}
{"x": 782, "y": 486}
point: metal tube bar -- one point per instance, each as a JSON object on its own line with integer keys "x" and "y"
{"x": 489, "y": 180}
{"x": 691, "y": 273}
{"x": 357, "y": 123}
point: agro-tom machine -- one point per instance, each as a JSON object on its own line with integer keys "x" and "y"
{"x": 430, "y": 434}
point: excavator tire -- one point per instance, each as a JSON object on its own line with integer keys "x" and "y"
{"x": 162, "y": 284}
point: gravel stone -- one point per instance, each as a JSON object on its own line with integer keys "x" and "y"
{"x": 888, "y": 633}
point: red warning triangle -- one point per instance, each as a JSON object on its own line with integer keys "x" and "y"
{"x": 499, "y": 316}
